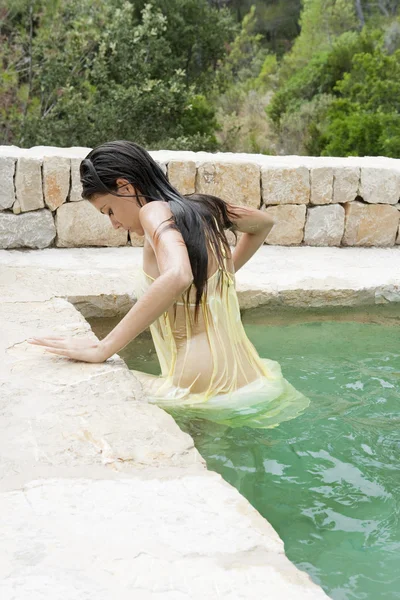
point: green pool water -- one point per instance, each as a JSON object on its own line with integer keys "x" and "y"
{"x": 329, "y": 480}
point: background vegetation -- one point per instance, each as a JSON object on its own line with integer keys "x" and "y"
{"x": 317, "y": 77}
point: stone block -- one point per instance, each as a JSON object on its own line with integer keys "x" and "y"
{"x": 163, "y": 166}
{"x": 56, "y": 178}
{"x": 16, "y": 208}
{"x": 380, "y": 185}
{"x": 346, "y": 182}
{"x": 75, "y": 193}
{"x": 231, "y": 237}
{"x": 136, "y": 240}
{"x": 288, "y": 228}
{"x": 321, "y": 179}
{"x": 7, "y": 192}
{"x": 182, "y": 175}
{"x": 28, "y": 230}
{"x": 80, "y": 224}
{"x": 285, "y": 185}
{"x": 370, "y": 225}
{"x": 324, "y": 225}
{"x": 235, "y": 183}
{"x": 28, "y": 183}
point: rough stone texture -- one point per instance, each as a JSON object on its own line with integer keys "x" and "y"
{"x": 370, "y": 225}
{"x": 28, "y": 183}
{"x": 380, "y": 185}
{"x": 56, "y": 180}
{"x": 75, "y": 194}
{"x": 16, "y": 208}
{"x": 275, "y": 276}
{"x": 7, "y": 192}
{"x": 35, "y": 230}
{"x": 80, "y": 224}
{"x": 324, "y": 225}
{"x": 182, "y": 175}
{"x": 285, "y": 185}
{"x": 346, "y": 182}
{"x": 289, "y": 224}
{"x": 231, "y": 238}
{"x": 62, "y": 413}
{"x": 142, "y": 538}
{"x": 162, "y": 165}
{"x": 235, "y": 183}
{"x": 136, "y": 240}
{"x": 321, "y": 185}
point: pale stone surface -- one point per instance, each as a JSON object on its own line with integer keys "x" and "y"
{"x": 162, "y": 165}
{"x": 104, "y": 281}
{"x": 16, "y": 208}
{"x": 80, "y": 224}
{"x": 28, "y": 183}
{"x": 193, "y": 537}
{"x": 7, "y": 192}
{"x": 56, "y": 179}
{"x": 321, "y": 185}
{"x": 370, "y": 225}
{"x": 75, "y": 194}
{"x": 235, "y": 183}
{"x": 231, "y": 237}
{"x": 289, "y": 224}
{"x": 324, "y": 225}
{"x": 59, "y": 413}
{"x": 283, "y": 185}
{"x": 136, "y": 240}
{"x": 380, "y": 185}
{"x": 346, "y": 183}
{"x": 34, "y": 230}
{"x": 182, "y": 175}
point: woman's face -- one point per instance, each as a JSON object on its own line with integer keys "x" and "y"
{"x": 123, "y": 212}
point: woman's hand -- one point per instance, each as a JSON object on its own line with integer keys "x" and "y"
{"x": 82, "y": 349}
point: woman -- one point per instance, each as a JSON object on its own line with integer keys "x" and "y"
{"x": 209, "y": 367}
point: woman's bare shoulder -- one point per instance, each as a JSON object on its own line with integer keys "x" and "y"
{"x": 154, "y": 212}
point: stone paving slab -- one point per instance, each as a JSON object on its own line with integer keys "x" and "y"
{"x": 191, "y": 537}
{"x": 102, "y": 281}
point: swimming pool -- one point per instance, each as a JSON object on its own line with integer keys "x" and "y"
{"x": 329, "y": 480}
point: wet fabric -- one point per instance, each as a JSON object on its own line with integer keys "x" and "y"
{"x": 210, "y": 369}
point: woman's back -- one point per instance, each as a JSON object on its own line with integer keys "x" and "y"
{"x": 210, "y": 355}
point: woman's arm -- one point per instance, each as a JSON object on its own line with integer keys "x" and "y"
{"x": 255, "y": 225}
{"x": 175, "y": 277}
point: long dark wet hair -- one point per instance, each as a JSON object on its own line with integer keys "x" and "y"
{"x": 198, "y": 217}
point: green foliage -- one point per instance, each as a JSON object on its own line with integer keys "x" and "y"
{"x": 321, "y": 22}
{"x": 365, "y": 120}
{"x": 242, "y": 85}
{"x": 103, "y": 70}
{"x": 203, "y": 74}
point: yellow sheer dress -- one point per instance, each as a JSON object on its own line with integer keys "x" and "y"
{"x": 210, "y": 369}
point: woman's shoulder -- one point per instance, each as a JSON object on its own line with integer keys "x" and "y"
{"x": 154, "y": 210}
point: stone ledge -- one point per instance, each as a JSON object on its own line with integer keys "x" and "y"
{"x": 102, "y": 281}
{"x": 101, "y": 539}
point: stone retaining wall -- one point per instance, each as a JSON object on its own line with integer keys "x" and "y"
{"x": 314, "y": 201}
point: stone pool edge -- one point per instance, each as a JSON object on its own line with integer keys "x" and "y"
{"x": 80, "y": 442}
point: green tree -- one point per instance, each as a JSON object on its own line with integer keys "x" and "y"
{"x": 79, "y": 72}
{"x": 365, "y": 119}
